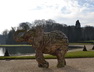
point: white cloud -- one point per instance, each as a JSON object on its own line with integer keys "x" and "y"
{"x": 76, "y": 11}
{"x": 13, "y": 12}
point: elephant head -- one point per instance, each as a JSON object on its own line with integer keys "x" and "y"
{"x": 28, "y": 35}
{"x": 19, "y": 35}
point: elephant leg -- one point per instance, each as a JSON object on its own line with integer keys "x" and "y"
{"x": 41, "y": 61}
{"x": 61, "y": 58}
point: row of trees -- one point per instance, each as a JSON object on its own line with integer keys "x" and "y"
{"x": 74, "y": 33}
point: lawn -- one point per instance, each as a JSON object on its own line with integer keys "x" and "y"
{"x": 81, "y": 43}
{"x": 13, "y": 45}
{"x": 76, "y": 54}
{"x": 80, "y": 54}
{"x": 89, "y": 42}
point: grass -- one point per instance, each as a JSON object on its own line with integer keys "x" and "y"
{"x": 88, "y": 42}
{"x": 13, "y": 45}
{"x": 80, "y": 43}
{"x": 80, "y": 54}
{"x": 76, "y": 54}
{"x": 17, "y": 57}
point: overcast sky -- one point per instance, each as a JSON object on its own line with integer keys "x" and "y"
{"x": 13, "y": 12}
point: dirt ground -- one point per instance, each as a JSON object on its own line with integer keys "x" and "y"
{"x": 73, "y": 65}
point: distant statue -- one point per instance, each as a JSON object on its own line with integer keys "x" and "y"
{"x": 6, "y": 53}
{"x": 54, "y": 43}
{"x": 84, "y": 48}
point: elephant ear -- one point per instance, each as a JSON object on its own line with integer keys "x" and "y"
{"x": 20, "y": 33}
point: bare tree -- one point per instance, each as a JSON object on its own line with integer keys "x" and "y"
{"x": 5, "y": 32}
{"x": 24, "y": 25}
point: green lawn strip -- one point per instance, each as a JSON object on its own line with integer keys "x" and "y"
{"x": 80, "y": 54}
{"x": 17, "y": 57}
{"x": 80, "y": 43}
{"x": 76, "y": 54}
{"x": 13, "y": 45}
{"x": 89, "y": 41}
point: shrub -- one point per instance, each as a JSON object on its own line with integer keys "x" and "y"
{"x": 6, "y": 53}
{"x": 93, "y": 48}
{"x": 84, "y": 49}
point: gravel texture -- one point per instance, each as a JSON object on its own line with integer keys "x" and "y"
{"x": 30, "y": 65}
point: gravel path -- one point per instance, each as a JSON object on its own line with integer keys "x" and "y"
{"x": 73, "y": 65}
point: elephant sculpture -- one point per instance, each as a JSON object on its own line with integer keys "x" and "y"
{"x": 54, "y": 43}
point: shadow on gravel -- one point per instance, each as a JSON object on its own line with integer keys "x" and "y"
{"x": 65, "y": 69}
{"x": 70, "y": 69}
